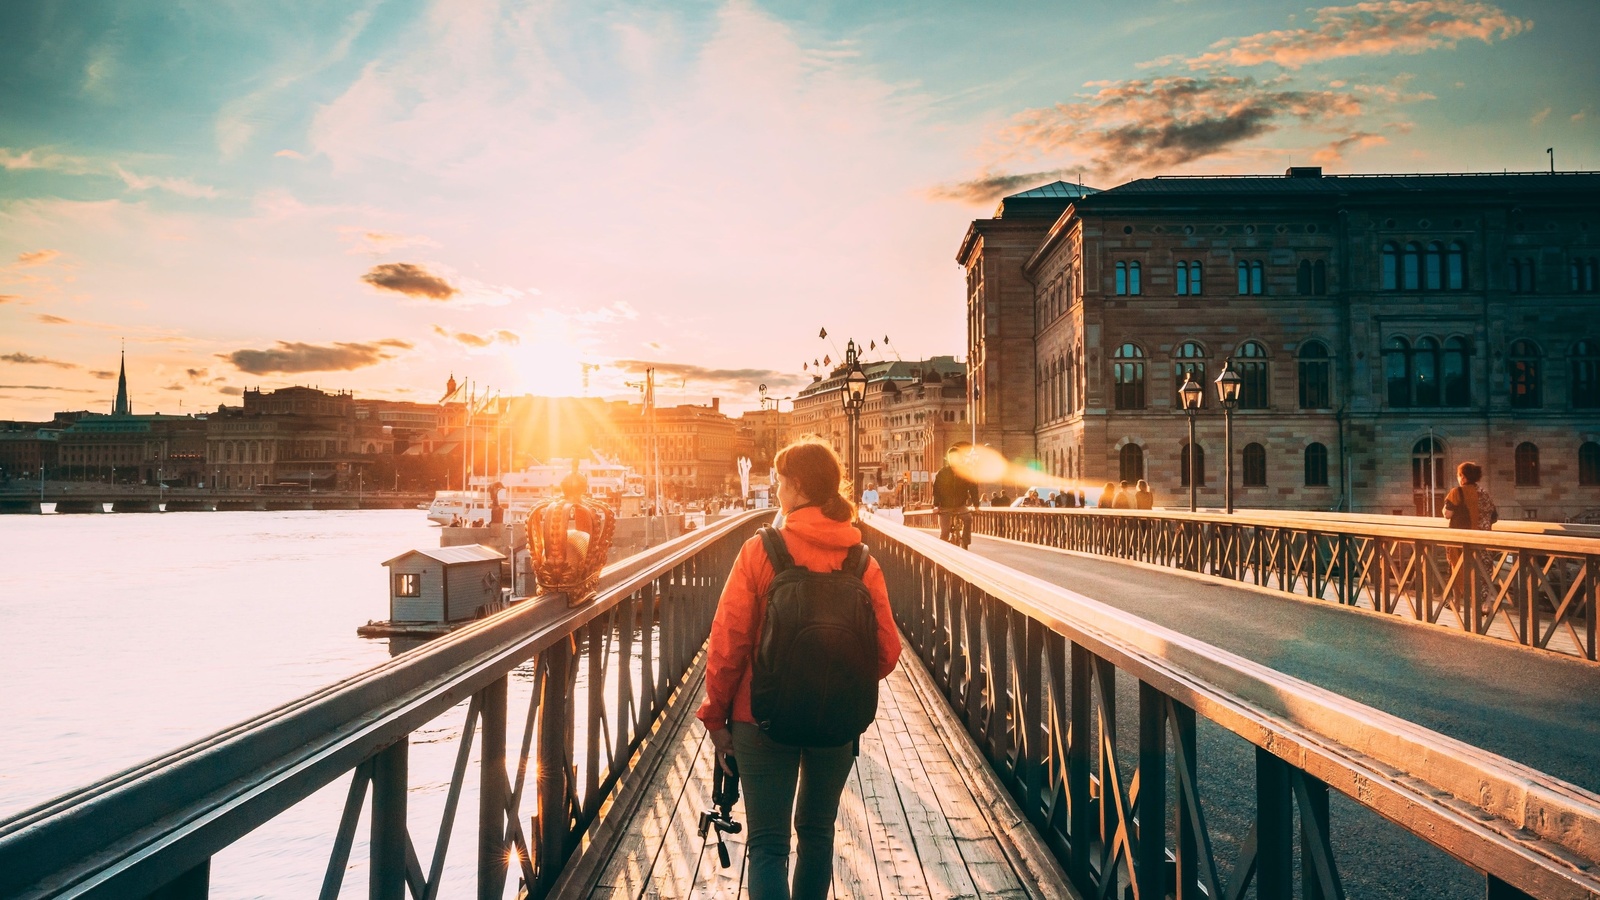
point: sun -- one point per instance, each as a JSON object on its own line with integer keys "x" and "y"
{"x": 548, "y": 363}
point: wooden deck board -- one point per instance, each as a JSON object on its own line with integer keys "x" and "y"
{"x": 913, "y": 822}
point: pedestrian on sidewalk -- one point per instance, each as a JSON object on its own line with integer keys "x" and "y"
{"x": 1142, "y": 496}
{"x": 786, "y": 783}
{"x": 1108, "y": 495}
{"x": 1468, "y": 506}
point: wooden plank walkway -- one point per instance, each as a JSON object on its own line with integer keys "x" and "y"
{"x": 922, "y": 816}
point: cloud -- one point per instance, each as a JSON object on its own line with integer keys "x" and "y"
{"x": 992, "y": 186}
{"x": 746, "y": 379}
{"x": 7, "y": 298}
{"x": 1374, "y": 28}
{"x": 47, "y": 160}
{"x": 230, "y": 391}
{"x": 103, "y": 374}
{"x": 366, "y": 240}
{"x": 479, "y": 340}
{"x": 1161, "y": 123}
{"x": 183, "y": 187}
{"x": 290, "y": 154}
{"x": 45, "y": 387}
{"x": 48, "y": 319}
{"x": 26, "y": 359}
{"x": 293, "y": 356}
{"x": 410, "y": 279}
{"x": 35, "y": 258}
{"x": 1579, "y": 116}
{"x": 1539, "y": 117}
{"x": 1334, "y": 152}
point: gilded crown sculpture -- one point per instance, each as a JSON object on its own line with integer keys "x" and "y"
{"x": 569, "y": 538}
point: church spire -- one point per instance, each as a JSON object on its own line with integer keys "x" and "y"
{"x": 121, "y": 406}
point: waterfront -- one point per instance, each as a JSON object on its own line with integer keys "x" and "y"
{"x": 123, "y": 636}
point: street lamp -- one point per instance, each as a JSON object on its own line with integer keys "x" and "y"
{"x": 1228, "y": 383}
{"x": 1191, "y": 394}
{"x": 854, "y": 397}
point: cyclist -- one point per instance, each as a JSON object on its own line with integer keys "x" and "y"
{"x": 954, "y": 495}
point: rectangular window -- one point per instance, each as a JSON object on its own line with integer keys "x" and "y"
{"x": 407, "y": 584}
{"x": 1315, "y": 385}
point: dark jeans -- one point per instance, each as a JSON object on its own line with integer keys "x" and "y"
{"x": 768, "y": 772}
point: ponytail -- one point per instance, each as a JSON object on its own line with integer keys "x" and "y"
{"x": 815, "y": 470}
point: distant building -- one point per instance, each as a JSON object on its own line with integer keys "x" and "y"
{"x": 696, "y": 448}
{"x": 127, "y": 448}
{"x": 914, "y": 409}
{"x": 295, "y": 435}
{"x": 26, "y": 448}
{"x": 1386, "y": 327}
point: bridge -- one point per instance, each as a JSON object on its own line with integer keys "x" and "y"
{"x": 1094, "y": 703}
{"x": 92, "y": 498}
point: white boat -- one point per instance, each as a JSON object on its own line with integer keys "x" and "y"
{"x": 609, "y": 482}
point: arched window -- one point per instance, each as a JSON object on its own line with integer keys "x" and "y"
{"x": 1302, "y": 278}
{"x": 1411, "y": 267}
{"x": 1527, "y": 464}
{"x": 1316, "y": 376}
{"x": 1255, "y": 465}
{"x": 1514, "y": 276}
{"x": 1316, "y": 465}
{"x": 1427, "y": 465}
{"x": 1589, "y": 464}
{"x": 1586, "y": 375}
{"x": 1456, "y": 378}
{"x": 1390, "y": 278}
{"x": 1397, "y": 372}
{"x": 1194, "y": 278}
{"x": 1244, "y": 277}
{"x": 1455, "y": 266}
{"x": 1425, "y": 372}
{"x": 1122, "y": 279}
{"x": 1250, "y": 361}
{"x": 1256, "y": 285}
{"x": 1132, "y": 463}
{"x": 1127, "y": 377}
{"x": 1181, "y": 279}
{"x": 1433, "y": 266}
{"x": 1251, "y": 275}
{"x": 1526, "y": 384}
{"x": 1199, "y": 464}
{"x": 1319, "y": 277}
{"x": 1190, "y": 359}
{"x": 1133, "y": 278}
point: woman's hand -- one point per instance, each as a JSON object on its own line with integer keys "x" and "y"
{"x": 722, "y": 740}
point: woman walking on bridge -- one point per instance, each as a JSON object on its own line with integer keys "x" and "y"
{"x": 818, "y": 537}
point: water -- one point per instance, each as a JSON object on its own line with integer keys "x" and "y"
{"x": 123, "y": 636}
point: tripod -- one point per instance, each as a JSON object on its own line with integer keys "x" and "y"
{"x": 724, "y": 794}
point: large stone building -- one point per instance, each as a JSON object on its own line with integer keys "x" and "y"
{"x": 913, "y": 410}
{"x": 128, "y": 448}
{"x": 296, "y": 435}
{"x": 1386, "y": 327}
{"x": 696, "y": 447}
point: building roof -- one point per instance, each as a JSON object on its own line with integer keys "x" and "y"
{"x": 1311, "y": 181}
{"x": 450, "y": 556}
{"x": 1054, "y": 189}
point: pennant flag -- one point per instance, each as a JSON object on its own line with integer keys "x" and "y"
{"x": 873, "y": 345}
{"x": 823, "y": 333}
{"x": 817, "y": 363}
{"x": 805, "y": 367}
{"x": 827, "y": 360}
{"x": 886, "y": 339}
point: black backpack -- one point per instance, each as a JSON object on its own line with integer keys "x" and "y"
{"x": 814, "y": 682}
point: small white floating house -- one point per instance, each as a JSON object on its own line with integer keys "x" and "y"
{"x": 450, "y": 584}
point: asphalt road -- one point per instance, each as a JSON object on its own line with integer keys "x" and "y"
{"x": 1534, "y": 707}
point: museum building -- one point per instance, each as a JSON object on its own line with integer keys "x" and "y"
{"x": 1386, "y": 327}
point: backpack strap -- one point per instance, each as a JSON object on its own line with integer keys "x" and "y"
{"x": 777, "y": 550}
{"x": 855, "y": 561}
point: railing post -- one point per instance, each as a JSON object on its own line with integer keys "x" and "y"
{"x": 1150, "y": 806}
{"x": 1274, "y": 826}
{"x": 387, "y": 880}
{"x": 554, "y": 778}
{"x": 492, "y": 790}
{"x": 194, "y": 884}
{"x": 1078, "y": 747}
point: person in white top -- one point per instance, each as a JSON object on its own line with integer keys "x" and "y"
{"x": 869, "y": 499}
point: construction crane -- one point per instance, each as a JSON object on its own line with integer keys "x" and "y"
{"x": 587, "y": 368}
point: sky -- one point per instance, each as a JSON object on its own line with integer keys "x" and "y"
{"x": 374, "y": 196}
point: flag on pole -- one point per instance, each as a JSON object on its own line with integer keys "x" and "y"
{"x": 827, "y": 360}
{"x": 817, "y": 363}
{"x": 886, "y": 339}
{"x": 805, "y": 367}
{"x": 873, "y": 345}
{"x": 823, "y": 334}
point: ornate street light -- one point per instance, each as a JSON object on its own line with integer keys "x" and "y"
{"x": 1228, "y": 384}
{"x": 854, "y": 397}
{"x": 1192, "y": 394}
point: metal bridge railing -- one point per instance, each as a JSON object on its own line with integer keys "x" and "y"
{"x": 1031, "y": 668}
{"x": 150, "y": 831}
{"x": 1539, "y": 591}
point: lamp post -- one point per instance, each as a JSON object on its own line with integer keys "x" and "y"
{"x": 854, "y": 397}
{"x": 1228, "y": 383}
{"x": 1191, "y": 394}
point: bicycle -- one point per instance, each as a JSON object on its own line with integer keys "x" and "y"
{"x": 961, "y": 528}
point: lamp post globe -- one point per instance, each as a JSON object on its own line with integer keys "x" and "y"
{"x": 1228, "y": 384}
{"x": 1192, "y": 395}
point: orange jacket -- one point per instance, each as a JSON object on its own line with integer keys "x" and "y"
{"x": 816, "y": 542}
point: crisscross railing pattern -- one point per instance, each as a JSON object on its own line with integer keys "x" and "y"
{"x": 1032, "y": 670}
{"x": 150, "y": 832}
{"x": 1536, "y": 590}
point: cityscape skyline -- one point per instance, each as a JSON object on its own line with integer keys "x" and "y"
{"x": 372, "y": 198}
